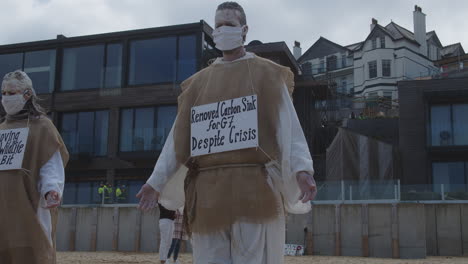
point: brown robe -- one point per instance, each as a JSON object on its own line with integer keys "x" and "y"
{"x": 22, "y": 239}
{"x": 218, "y": 197}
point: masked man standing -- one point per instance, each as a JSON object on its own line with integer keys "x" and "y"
{"x": 235, "y": 200}
{"x": 30, "y": 192}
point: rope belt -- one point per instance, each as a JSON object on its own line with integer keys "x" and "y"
{"x": 242, "y": 165}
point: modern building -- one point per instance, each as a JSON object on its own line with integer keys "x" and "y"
{"x": 433, "y": 133}
{"x": 113, "y": 96}
{"x": 372, "y": 68}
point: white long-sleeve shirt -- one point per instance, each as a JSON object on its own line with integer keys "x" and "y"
{"x": 52, "y": 178}
{"x": 168, "y": 175}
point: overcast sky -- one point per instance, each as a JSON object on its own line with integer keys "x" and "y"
{"x": 342, "y": 21}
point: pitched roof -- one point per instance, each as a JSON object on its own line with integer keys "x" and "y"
{"x": 391, "y": 34}
{"x": 452, "y": 50}
{"x": 321, "y": 39}
{"x": 354, "y": 46}
{"x": 399, "y": 32}
{"x": 430, "y": 34}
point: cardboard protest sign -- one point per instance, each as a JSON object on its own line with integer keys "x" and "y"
{"x": 224, "y": 126}
{"x": 12, "y": 148}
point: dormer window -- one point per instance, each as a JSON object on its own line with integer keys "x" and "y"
{"x": 382, "y": 42}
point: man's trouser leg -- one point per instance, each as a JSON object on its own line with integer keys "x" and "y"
{"x": 243, "y": 243}
{"x": 171, "y": 249}
{"x": 166, "y": 228}
{"x": 177, "y": 249}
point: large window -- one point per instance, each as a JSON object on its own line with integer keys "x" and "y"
{"x": 449, "y": 125}
{"x": 92, "y": 67}
{"x": 85, "y": 132}
{"x": 10, "y": 62}
{"x": 153, "y": 60}
{"x": 454, "y": 175}
{"x": 145, "y": 129}
{"x": 386, "y": 68}
{"x": 187, "y": 61}
{"x": 39, "y": 65}
{"x": 160, "y": 60}
{"x": 372, "y": 69}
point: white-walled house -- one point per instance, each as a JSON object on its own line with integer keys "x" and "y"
{"x": 373, "y": 67}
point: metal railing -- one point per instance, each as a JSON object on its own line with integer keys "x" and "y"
{"x": 329, "y": 192}
{"x": 388, "y": 191}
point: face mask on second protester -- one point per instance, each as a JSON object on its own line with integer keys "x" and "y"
{"x": 228, "y": 38}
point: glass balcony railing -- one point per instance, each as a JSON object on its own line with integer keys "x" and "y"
{"x": 92, "y": 193}
{"x": 390, "y": 191}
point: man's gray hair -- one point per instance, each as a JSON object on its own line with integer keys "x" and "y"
{"x": 234, "y": 6}
{"x": 22, "y": 82}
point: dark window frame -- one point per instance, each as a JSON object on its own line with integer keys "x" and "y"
{"x": 176, "y": 71}
{"x": 155, "y": 120}
{"x": 386, "y": 71}
{"x": 23, "y": 59}
{"x": 93, "y": 154}
{"x": 374, "y": 62}
{"x": 374, "y": 43}
{"x": 429, "y": 127}
{"x": 465, "y": 168}
{"x": 103, "y": 67}
{"x": 382, "y": 42}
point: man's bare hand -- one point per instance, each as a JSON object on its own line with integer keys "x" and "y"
{"x": 148, "y": 198}
{"x": 52, "y": 199}
{"x": 307, "y": 185}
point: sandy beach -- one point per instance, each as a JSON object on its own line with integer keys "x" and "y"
{"x": 140, "y": 258}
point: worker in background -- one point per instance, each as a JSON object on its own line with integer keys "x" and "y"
{"x": 121, "y": 194}
{"x": 108, "y": 193}
{"x": 101, "y": 191}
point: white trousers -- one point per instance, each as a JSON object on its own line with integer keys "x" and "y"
{"x": 166, "y": 228}
{"x": 243, "y": 243}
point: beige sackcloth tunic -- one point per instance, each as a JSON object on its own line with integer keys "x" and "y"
{"x": 251, "y": 187}
{"x": 22, "y": 238}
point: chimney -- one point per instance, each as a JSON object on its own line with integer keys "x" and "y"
{"x": 297, "y": 51}
{"x": 419, "y": 21}
{"x": 374, "y": 22}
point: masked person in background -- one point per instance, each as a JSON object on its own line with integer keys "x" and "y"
{"x": 235, "y": 200}
{"x": 29, "y": 195}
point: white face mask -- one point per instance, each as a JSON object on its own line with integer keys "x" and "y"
{"x": 13, "y": 103}
{"x": 228, "y": 38}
